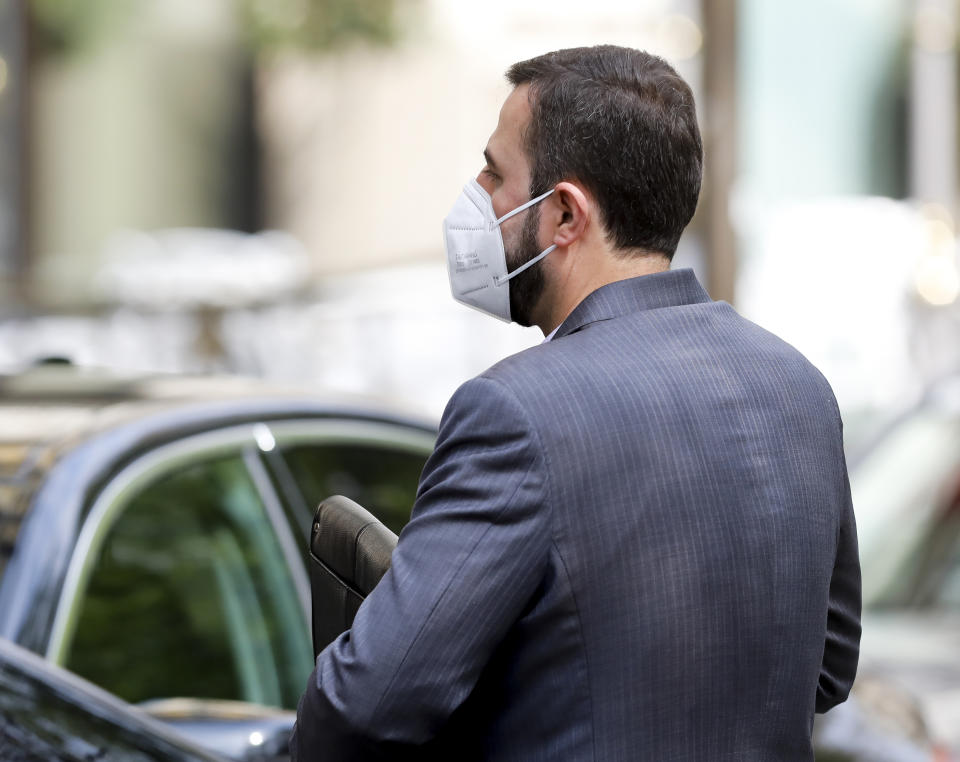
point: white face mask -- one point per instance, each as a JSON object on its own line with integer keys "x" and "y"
{"x": 476, "y": 259}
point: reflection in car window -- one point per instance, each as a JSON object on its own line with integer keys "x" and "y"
{"x": 930, "y": 577}
{"x": 947, "y": 594}
{"x": 899, "y": 497}
{"x": 191, "y": 596}
{"x": 381, "y": 479}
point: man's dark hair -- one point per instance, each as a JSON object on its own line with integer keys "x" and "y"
{"x": 623, "y": 123}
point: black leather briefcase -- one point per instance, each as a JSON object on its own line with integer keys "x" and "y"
{"x": 349, "y": 553}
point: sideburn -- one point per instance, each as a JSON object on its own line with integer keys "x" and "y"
{"x": 527, "y": 287}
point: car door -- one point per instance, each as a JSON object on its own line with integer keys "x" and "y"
{"x": 188, "y": 578}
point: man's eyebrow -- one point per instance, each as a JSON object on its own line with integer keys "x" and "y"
{"x": 489, "y": 159}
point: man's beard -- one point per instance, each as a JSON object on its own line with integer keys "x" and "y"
{"x": 527, "y": 287}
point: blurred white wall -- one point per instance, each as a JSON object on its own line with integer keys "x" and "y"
{"x": 366, "y": 151}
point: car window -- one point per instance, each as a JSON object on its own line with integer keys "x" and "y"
{"x": 375, "y": 463}
{"x": 899, "y": 491}
{"x": 381, "y": 478}
{"x": 947, "y": 594}
{"x": 189, "y": 595}
{"x": 930, "y": 576}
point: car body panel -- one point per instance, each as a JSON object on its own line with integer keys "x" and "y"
{"x": 918, "y": 653}
{"x": 49, "y": 714}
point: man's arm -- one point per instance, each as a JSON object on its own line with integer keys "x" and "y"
{"x": 842, "y": 646}
{"x": 463, "y": 571}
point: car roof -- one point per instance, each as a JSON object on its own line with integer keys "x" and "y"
{"x": 47, "y": 410}
{"x": 52, "y": 403}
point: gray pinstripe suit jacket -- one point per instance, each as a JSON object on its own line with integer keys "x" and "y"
{"x": 634, "y": 542}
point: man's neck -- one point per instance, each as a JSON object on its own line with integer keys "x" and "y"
{"x": 570, "y": 292}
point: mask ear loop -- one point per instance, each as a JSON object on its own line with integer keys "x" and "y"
{"x": 531, "y": 202}
{"x": 498, "y": 281}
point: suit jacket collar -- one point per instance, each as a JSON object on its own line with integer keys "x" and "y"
{"x": 670, "y": 288}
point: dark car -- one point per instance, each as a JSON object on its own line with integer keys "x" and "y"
{"x": 50, "y": 715}
{"x": 906, "y": 490}
{"x": 905, "y": 480}
{"x": 153, "y": 535}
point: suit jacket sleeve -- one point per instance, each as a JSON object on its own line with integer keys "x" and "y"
{"x": 842, "y": 646}
{"x": 464, "y": 569}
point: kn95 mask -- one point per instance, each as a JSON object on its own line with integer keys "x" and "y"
{"x": 476, "y": 258}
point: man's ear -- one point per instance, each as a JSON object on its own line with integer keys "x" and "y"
{"x": 570, "y": 213}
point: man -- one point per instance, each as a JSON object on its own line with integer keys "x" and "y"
{"x": 634, "y": 541}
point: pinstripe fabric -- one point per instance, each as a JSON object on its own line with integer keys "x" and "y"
{"x": 634, "y": 542}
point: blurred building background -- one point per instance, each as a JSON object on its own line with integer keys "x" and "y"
{"x": 257, "y": 186}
